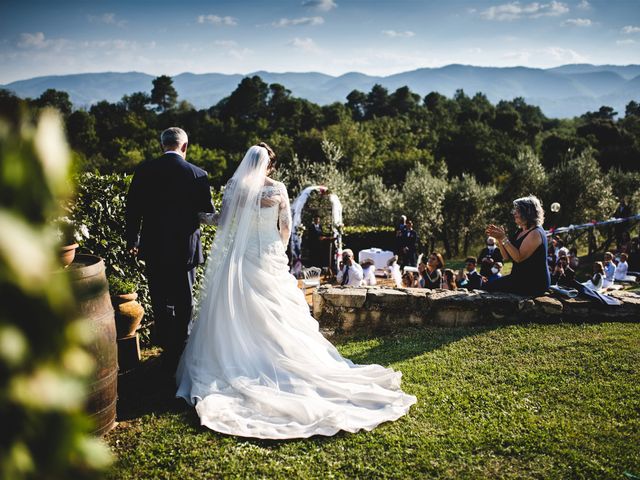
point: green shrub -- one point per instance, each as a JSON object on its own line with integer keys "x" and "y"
{"x": 100, "y": 204}
{"x": 43, "y": 367}
{"x": 118, "y": 286}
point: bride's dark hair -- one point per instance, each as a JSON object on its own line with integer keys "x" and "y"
{"x": 272, "y": 154}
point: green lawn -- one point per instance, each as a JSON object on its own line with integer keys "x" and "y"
{"x": 529, "y": 401}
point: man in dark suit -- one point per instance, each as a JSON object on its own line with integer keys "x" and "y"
{"x": 409, "y": 246}
{"x": 475, "y": 279}
{"x": 490, "y": 252}
{"x": 317, "y": 242}
{"x": 165, "y": 198}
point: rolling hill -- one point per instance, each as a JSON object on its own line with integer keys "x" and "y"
{"x": 564, "y": 91}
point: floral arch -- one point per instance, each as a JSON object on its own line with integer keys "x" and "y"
{"x": 296, "y": 212}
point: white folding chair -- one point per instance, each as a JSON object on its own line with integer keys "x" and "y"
{"x": 310, "y": 278}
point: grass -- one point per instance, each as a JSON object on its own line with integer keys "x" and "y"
{"x": 527, "y": 401}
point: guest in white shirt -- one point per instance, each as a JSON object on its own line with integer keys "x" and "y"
{"x": 368, "y": 272}
{"x": 350, "y": 273}
{"x": 596, "y": 282}
{"x": 622, "y": 269}
{"x": 609, "y": 269}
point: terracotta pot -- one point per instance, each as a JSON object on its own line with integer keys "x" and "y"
{"x": 129, "y": 314}
{"x": 67, "y": 254}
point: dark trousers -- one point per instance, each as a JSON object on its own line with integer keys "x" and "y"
{"x": 171, "y": 287}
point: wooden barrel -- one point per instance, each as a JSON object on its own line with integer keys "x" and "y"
{"x": 91, "y": 290}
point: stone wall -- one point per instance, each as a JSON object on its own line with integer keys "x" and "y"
{"x": 372, "y": 310}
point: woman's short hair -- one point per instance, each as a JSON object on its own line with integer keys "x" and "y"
{"x": 530, "y": 210}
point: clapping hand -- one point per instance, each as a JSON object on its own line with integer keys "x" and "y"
{"x": 496, "y": 231}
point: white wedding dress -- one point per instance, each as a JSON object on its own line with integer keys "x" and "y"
{"x": 255, "y": 364}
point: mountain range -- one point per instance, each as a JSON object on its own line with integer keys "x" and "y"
{"x": 561, "y": 92}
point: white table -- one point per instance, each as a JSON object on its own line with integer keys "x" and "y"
{"x": 380, "y": 257}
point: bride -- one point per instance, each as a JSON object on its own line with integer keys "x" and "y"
{"x": 255, "y": 364}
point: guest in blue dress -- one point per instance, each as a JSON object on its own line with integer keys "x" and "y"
{"x": 527, "y": 249}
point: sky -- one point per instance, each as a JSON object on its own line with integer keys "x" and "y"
{"x": 330, "y": 36}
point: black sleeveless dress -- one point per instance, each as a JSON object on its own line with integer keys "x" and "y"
{"x": 530, "y": 277}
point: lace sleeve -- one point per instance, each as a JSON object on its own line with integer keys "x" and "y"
{"x": 284, "y": 215}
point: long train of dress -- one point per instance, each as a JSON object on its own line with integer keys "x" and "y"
{"x": 256, "y": 364}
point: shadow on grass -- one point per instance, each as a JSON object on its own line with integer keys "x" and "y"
{"x": 409, "y": 343}
{"x": 147, "y": 391}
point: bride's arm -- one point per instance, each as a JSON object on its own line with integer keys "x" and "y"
{"x": 284, "y": 216}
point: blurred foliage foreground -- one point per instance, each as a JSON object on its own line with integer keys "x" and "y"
{"x": 44, "y": 369}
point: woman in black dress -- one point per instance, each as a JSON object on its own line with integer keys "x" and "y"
{"x": 528, "y": 250}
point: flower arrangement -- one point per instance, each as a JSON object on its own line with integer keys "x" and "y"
{"x": 69, "y": 232}
{"x": 300, "y": 229}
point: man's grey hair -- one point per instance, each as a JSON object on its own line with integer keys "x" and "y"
{"x": 348, "y": 251}
{"x": 173, "y": 137}
{"x": 530, "y": 209}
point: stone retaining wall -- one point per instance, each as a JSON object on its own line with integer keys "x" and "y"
{"x": 373, "y": 310}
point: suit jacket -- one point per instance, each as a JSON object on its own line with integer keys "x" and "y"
{"x": 165, "y": 197}
{"x": 475, "y": 280}
{"x": 496, "y": 255}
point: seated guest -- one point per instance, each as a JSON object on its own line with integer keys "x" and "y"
{"x": 473, "y": 277}
{"x": 562, "y": 273}
{"x": 461, "y": 278}
{"x": 449, "y": 280}
{"x": 562, "y": 252}
{"x": 609, "y": 269}
{"x": 407, "y": 280}
{"x": 349, "y": 272}
{"x": 528, "y": 250}
{"x": 495, "y": 273}
{"x": 369, "y": 272}
{"x": 574, "y": 261}
{"x": 485, "y": 267}
{"x": 558, "y": 245}
{"x": 622, "y": 269}
{"x": 490, "y": 251}
{"x": 393, "y": 270}
{"x": 596, "y": 282}
{"x": 431, "y": 275}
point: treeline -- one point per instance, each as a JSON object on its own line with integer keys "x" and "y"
{"x": 382, "y": 152}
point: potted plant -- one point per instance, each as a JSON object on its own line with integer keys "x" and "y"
{"x": 69, "y": 235}
{"x": 128, "y": 311}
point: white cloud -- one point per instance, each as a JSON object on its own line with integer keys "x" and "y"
{"x": 394, "y": 33}
{"x": 292, "y": 22}
{"x": 545, "y": 57}
{"x": 217, "y": 20}
{"x": 322, "y": 5}
{"x": 306, "y": 44}
{"x": 40, "y": 42}
{"x": 114, "y": 44}
{"x": 232, "y": 49}
{"x": 630, "y": 29}
{"x": 578, "y": 22}
{"x": 516, "y": 10}
{"x": 626, "y": 41}
{"x": 584, "y": 5}
{"x": 226, "y": 43}
{"x": 107, "y": 19}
